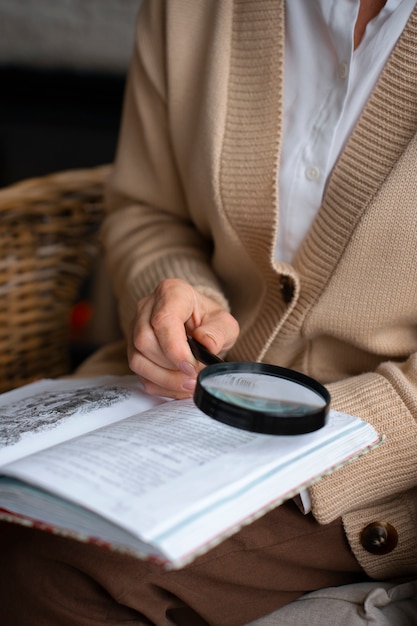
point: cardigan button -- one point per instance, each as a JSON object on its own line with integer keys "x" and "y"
{"x": 379, "y": 538}
{"x": 287, "y": 288}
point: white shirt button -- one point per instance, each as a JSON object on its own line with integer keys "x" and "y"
{"x": 343, "y": 70}
{"x": 312, "y": 172}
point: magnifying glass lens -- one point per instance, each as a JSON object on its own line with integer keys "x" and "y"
{"x": 261, "y": 392}
{"x": 262, "y": 398}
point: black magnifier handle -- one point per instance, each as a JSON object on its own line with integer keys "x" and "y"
{"x": 202, "y": 354}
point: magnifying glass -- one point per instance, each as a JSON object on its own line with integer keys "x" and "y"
{"x": 259, "y": 397}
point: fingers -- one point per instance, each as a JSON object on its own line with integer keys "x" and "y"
{"x": 158, "y": 350}
{"x": 175, "y": 311}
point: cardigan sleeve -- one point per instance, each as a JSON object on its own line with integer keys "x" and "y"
{"x": 148, "y": 234}
{"x": 386, "y": 398}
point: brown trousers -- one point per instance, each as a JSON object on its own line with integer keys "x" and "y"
{"x": 52, "y": 581}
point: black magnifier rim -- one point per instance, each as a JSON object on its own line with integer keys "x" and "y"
{"x": 252, "y": 419}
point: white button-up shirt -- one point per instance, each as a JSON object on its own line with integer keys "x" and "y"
{"x": 327, "y": 84}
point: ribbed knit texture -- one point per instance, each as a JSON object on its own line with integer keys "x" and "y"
{"x": 249, "y": 160}
{"x": 362, "y": 395}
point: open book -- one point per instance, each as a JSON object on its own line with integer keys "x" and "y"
{"x": 99, "y": 460}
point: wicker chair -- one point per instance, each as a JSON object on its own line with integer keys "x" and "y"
{"x": 48, "y": 241}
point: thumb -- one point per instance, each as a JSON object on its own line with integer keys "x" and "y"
{"x": 217, "y": 332}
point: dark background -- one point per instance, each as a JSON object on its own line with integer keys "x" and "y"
{"x": 54, "y": 119}
{"x": 63, "y": 65}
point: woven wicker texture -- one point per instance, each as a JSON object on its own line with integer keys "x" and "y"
{"x": 48, "y": 242}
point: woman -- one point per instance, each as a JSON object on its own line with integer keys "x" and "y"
{"x": 232, "y": 110}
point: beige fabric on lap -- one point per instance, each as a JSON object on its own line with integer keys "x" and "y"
{"x": 361, "y": 604}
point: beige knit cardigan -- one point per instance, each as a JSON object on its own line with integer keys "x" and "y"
{"x": 194, "y": 195}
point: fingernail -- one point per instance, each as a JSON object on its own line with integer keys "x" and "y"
{"x": 189, "y": 384}
{"x": 187, "y": 368}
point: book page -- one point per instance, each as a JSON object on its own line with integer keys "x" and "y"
{"x": 48, "y": 412}
{"x": 112, "y": 469}
{"x": 152, "y": 471}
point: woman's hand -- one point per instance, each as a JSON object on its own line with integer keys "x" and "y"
{"x": 158, "y": 350}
